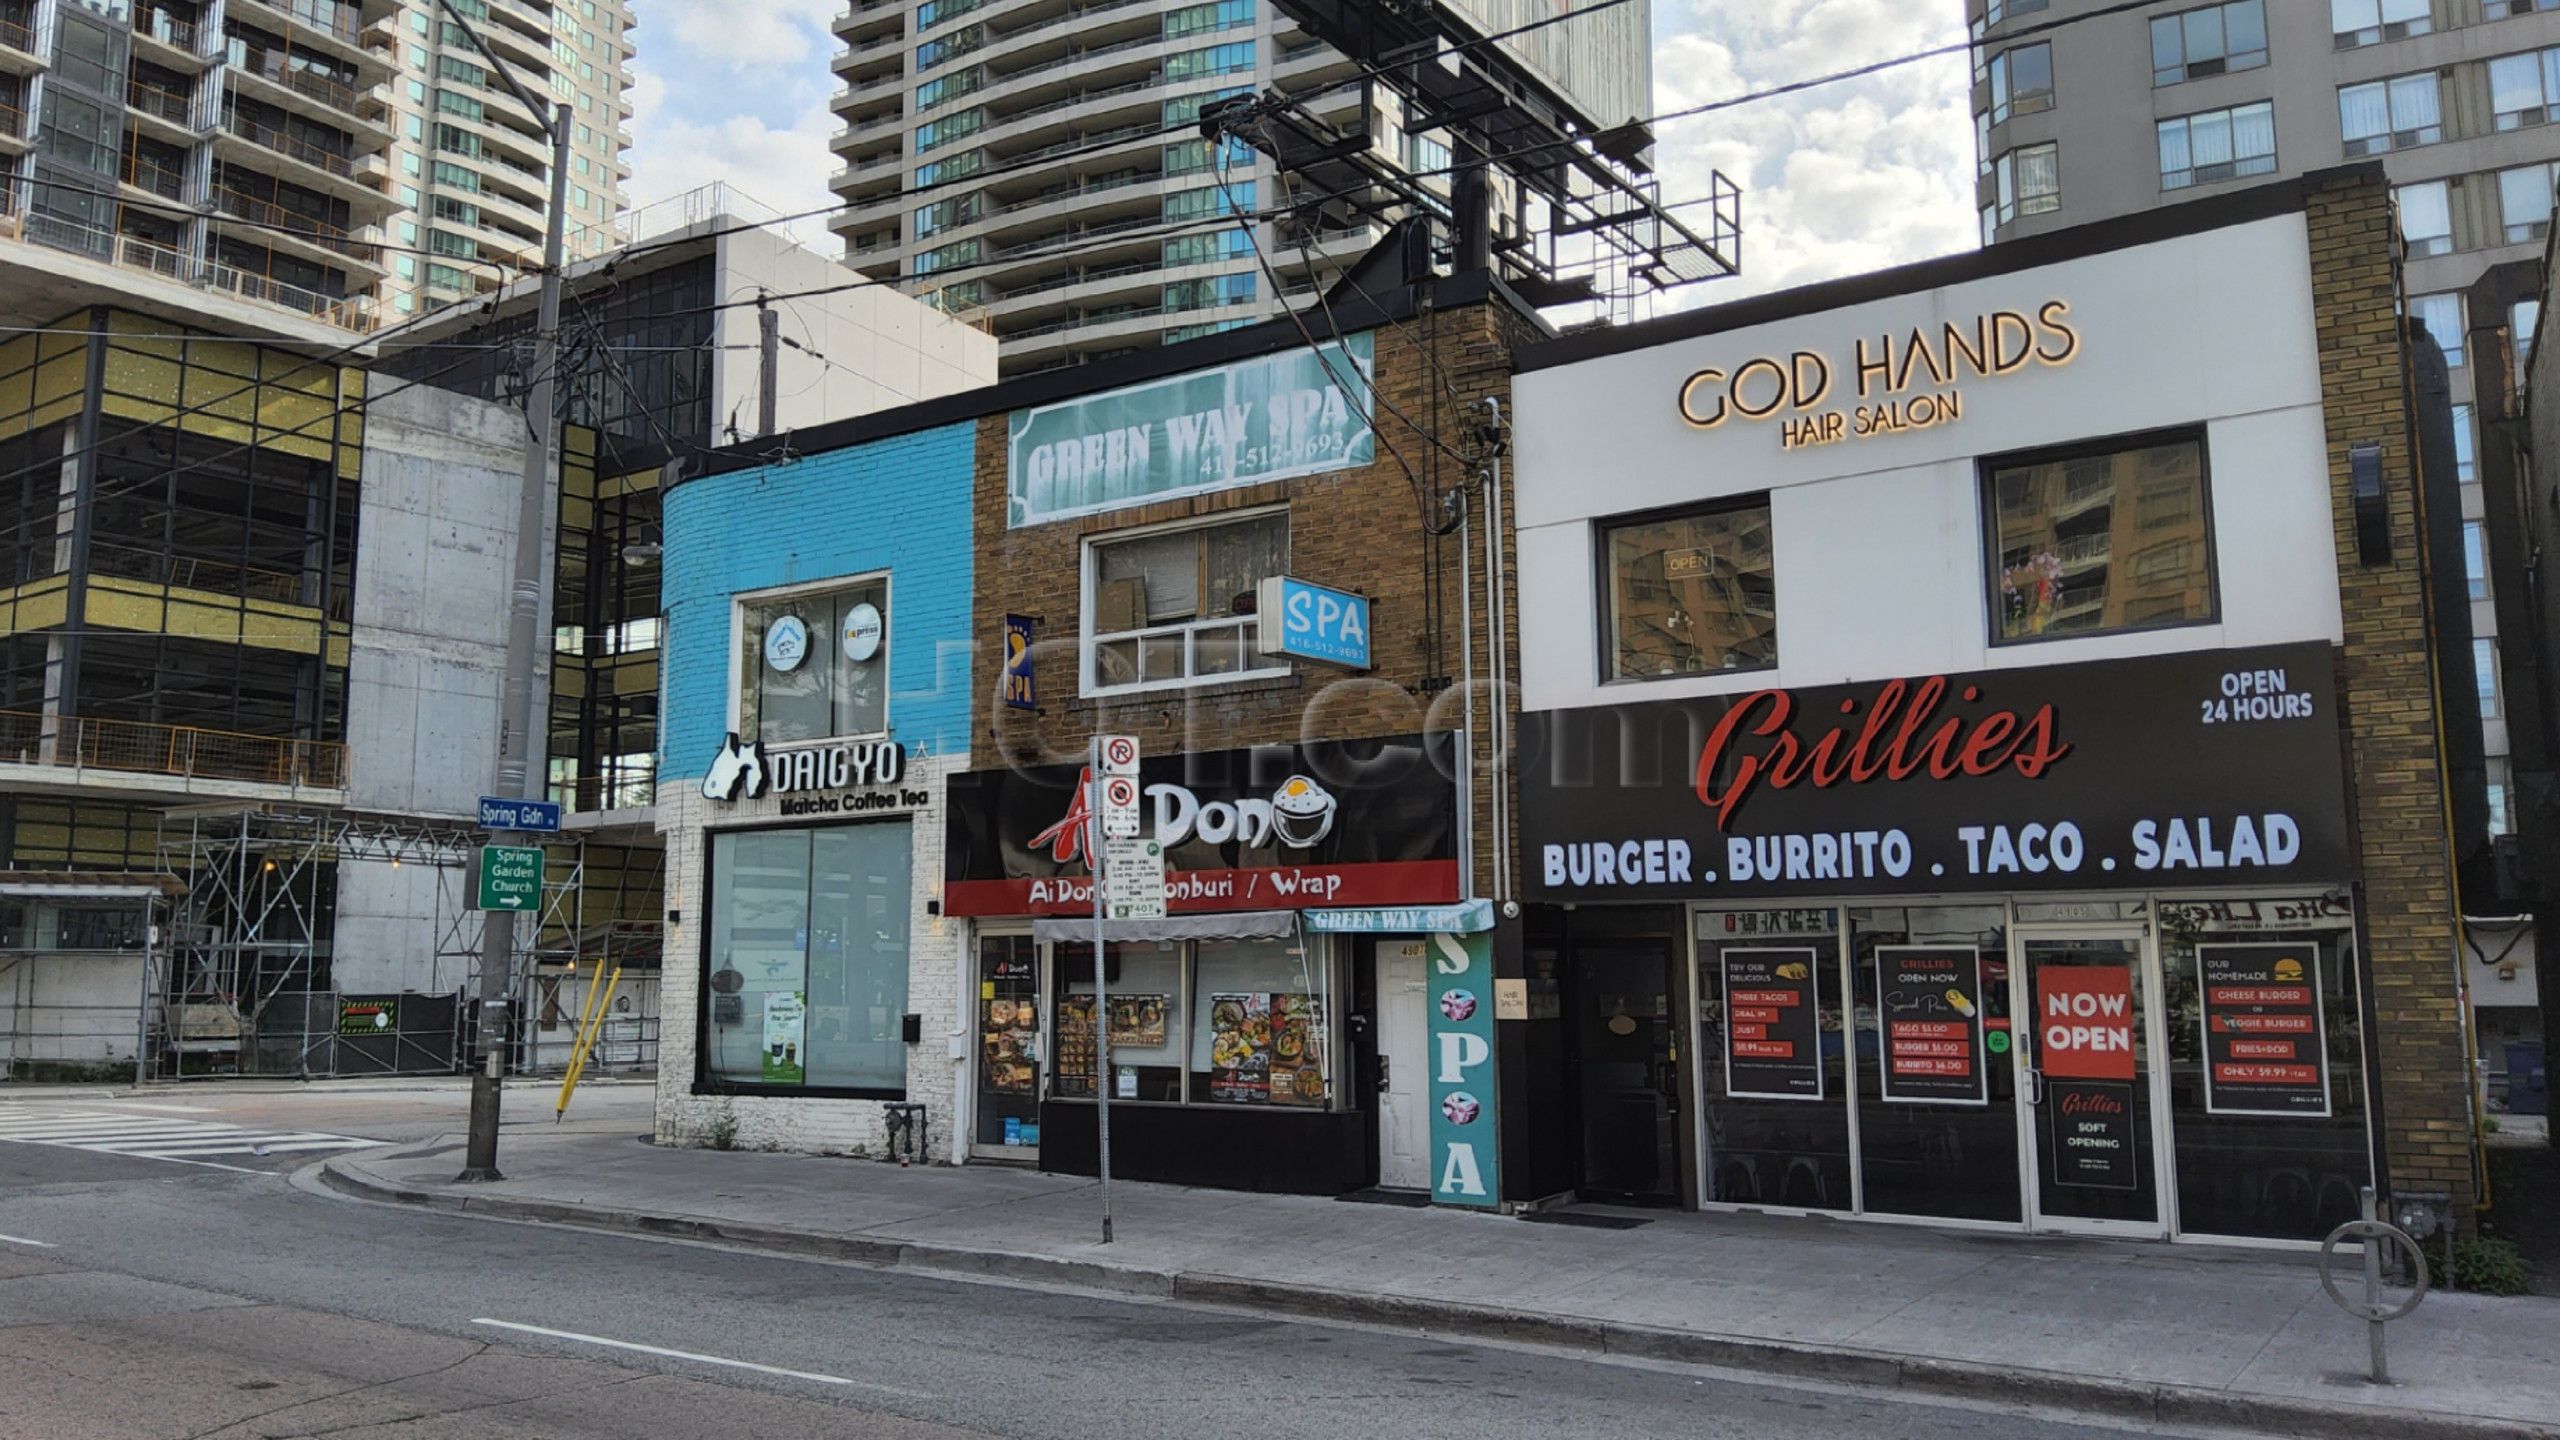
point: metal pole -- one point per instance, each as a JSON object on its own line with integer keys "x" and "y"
{"x": 520, "y": 700}
{"x": 2373, "y": 1294}
{"x": 1101, "y": 980}
{"x": 1467, "y": 691}
{"x": 142, "y": 1020}
{"x": 1497, "y": 719}
{"x": 768, "y": 368}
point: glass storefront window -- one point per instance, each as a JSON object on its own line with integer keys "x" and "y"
{"x": 2258, "y": 1156}
{"x": 1762, "y": 1150}
{"x": 1211, "y": 1022}
{"x": 1692, "y": 594}
{"x": 2099, "y": 540}
{"x": 1946, "y": 1144}
{"x": 808, "y": 958}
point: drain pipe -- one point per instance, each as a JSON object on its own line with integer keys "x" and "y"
{"x": 1497, "y": 605}
{"x": 1467, "y": 694}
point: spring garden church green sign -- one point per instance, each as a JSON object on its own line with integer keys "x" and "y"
{"x": 1291, "y": 413}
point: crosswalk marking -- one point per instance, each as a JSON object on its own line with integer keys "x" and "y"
{"x": 157, "y": 1137}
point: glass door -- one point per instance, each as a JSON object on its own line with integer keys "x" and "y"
{"x": 1008, "y": 1110}
{"x": 2087, "y": 1058}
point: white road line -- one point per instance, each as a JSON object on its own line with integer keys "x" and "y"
{"x": 178, "y": 1142}
{"x": 243, "y": 1147}
{"x": 167, "y": 1109}
{"x": 704, "y": 1359}
{"x": 22, "y": 1240}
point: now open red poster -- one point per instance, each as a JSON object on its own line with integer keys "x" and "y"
{"x": 2084, "y": 1021}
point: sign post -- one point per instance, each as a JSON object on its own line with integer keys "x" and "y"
{"x": 1115, "y": 757}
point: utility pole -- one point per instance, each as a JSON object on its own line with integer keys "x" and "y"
{"x": 521, "y": 709}
{"x": 769, "y": 367}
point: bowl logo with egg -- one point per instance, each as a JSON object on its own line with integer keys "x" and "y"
{"x": 1301, "y": 812}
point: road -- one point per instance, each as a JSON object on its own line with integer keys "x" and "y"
{"x": 161, "y": 1299}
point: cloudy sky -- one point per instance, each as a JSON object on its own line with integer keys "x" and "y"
{"x": 1840, "y": 179}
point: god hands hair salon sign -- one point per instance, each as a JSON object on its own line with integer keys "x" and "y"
{"x": 1901, "y": 382}
{"x": 1292, "y": 413}
{"x": 2200, "y": 768}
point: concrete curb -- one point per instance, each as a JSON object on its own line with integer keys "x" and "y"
{"x": 2271, "y": 1415}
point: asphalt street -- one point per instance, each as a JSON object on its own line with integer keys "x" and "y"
{"x": 149, "y": 1299}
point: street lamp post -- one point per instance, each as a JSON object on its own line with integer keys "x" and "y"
{"x": 520, "y": 699}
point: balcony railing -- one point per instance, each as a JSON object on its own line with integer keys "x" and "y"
{"x": 276, "y": 68}
{"x": 136, "y": 253}
{"x": 291, "y": 223}
{"x": 185, "y": 572}
{"x": 344, "y": 24}
{"x": 17, "y": 35}
{"x": 169, "y": 105}
{"x": 185, "y": 751}
{"x": 166, "y": 28}
{"x": 13, "y": 122}
{"x": 151, "y": 175}
{"x": 286, "y": 142}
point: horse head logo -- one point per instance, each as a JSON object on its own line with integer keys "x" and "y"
{"x": 736, "y": 772}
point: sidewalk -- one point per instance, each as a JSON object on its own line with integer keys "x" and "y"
{"x": 2182, "y": 1334}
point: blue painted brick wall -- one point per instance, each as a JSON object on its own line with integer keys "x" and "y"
{"x": 900, "y": 505}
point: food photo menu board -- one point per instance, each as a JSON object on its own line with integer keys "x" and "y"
{"x": 1931, "y": 999}
{"x": 2265, "y": 1044}
{"x": 1772, "y": 1030}
{"x": 1266, "y": 1048}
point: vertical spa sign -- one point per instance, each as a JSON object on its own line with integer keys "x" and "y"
{"x": 1464, "y": 1168}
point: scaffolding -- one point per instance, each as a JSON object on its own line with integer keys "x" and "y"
{"x": 249, "y": 985}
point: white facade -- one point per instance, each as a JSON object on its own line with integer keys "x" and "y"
{"x": 1878, "y": 541}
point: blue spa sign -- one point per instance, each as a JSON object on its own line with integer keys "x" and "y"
{"x": 1312, "y": 622}
{"x": 1460, "y": 1033}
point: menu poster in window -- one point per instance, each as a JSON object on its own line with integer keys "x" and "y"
{"x": 1010, "y": 1037}
{"x": 1074, "y": 1076}
{"x": 1297, "y": 1050}
{"x": 786, "y": 1023}
{"x": 2094, "y": 1143}
{"x": 1240, "y": 1048}
{"x": 1931, "y": 997}
{"x": 1772, "y": 1032}
{"x": 1137, "y": 1021}
{"x": 2265, "y": 1045}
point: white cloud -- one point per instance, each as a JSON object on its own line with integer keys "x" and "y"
{"x": 738, "y": 35}
{"x": 780, "y": 171}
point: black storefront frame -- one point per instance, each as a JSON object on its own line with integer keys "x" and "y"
{"x": 704, "y": 1083}
{"x": 1696, "y": 1155}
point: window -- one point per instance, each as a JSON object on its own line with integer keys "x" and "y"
{"x": 2021, "y": 82}
{"x": 2000, "y": 10}
{"x": 808, "y": 957}
{"x": 2484, "y": 672}
{"x": 2524, "y": 202}
{"x": 1234, "y": 198}
{"x": 2390, "y": 114}
{"x": 2426, "y": 217}
{"x": 2524, "y": 89}
{"x": 1228, "y": 59}
{"x": 2091, "y": 542}
{"x": 1209, "y": 292}
{"x": 949, "y": 214}
{"x": 2370, "y": 22}
{"x": 1209, "y": 1022}
{"x": 2509, "y": 9}
{"x": 959, "y": 252}
{"x": 2522, "y": 319}
{"x": 1186, "y": 109}
{"x": 2212, "y": 40}
{"x": 2218, "y": 145}
{"x": 2475, "y": 558}
{"x": 2029, "y": 181}
{"x": 954, "y": 126}
{"x": 1214, "y": 15}
{"x": 951, "y": 167}
{"x": 959, "y": 42}
{"x": 1208, "y": 248}
{"x": 2466, "y": 463}
{"x": 1982, "y": 143}
{"x": 2501, "y": 777}
{"x": 1690, "y": 594}
{"x": 1176, "y": 607}
{"x": 2442, "y": 315}
{"x": 951, "y": 87}
{"x": 799, "y": 675}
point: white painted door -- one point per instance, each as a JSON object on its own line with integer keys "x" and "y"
{"x": 1404, "y": 1104}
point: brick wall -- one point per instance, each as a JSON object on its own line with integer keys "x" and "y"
{"x": 2386, "y": 684}
{"x": 899, "y": 505}
{"x": 1360, "y": 530}
{"x": 935, "y": 1064}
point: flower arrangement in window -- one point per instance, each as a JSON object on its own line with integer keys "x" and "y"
{"x": 2030, "y": 589}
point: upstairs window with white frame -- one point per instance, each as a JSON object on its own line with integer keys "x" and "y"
{"x": 2509, "y": 9}
{"x": 2354, "y": 24}
{"x": 2393, "y": 114}
{"x": 2466, "y": 447}
{"x": 814, "y": 664}
{"x": 2218, "y": 145}
{"x": 2426, "y": 217}
{"x": 2029, "y": 181}
{"x": 2441, "y": 313}
{"x": 2524, "y": 90}
{"x": 2208, "y": 40}
{"x": 2021, "y": 82}
{"x": 2524, "y": 201}
{"x": 1174, "y": 607}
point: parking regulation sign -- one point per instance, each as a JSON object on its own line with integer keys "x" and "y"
{"x": 1120, "y": 755}
{"x": 1119, "y": 807}
{"x": 1133, "y": 880}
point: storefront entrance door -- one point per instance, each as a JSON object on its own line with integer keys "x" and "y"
{"x": 1624, "y": 1046}
{"x": 1404, "y": 1079}
{"x": 1008, "y": 1060}
{"x": 2087, "y": 1050}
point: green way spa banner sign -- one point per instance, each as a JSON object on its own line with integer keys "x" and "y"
{"x": 1296, "y": 412}
{"x": 2205, "y": 767}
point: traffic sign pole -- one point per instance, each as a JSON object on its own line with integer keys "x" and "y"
{"x": 1101, "y": 971}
